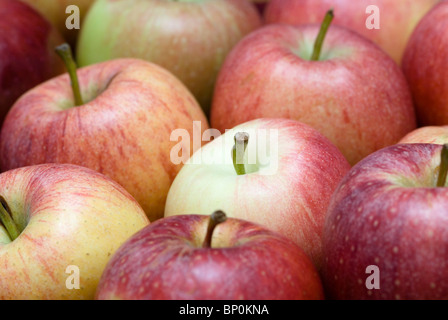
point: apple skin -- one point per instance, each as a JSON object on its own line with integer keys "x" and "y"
{"x": 355, "y": 95}
{"x": 398, "y": 18}
{"x": 425, "y": 63}
{"x": 123, "y": 129}
{"x": 27, "y": 57}
{"x": 387, "y": 212}
{"x": 428, "y": 134}
{"x": 71, "y": 216}
{"x": 188, "y": 38}
{"x": 291, "y": 200}
{"x": 166, "y": 261}
{"x": 54, "y": 12}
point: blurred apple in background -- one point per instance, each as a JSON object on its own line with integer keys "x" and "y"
{"x": 58, "y": 216}
{"x": 425, "y": 65}
{"x": 284, "y": 183}
{"x": 390, "y": 213}
{"x": 27, "y": 57}
{"x": 188, "y": 38}
{"x": 397, "y": 18}
{"x": 194, "y": 257}
{"x": 351, "y": 91}
{"x": 55, "y": 12}
{"x": 122, "y": 128}
{"x": 260, "y": 4}
{"x": 429, "y": 134}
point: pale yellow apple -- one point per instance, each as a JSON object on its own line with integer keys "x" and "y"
{"x": 69, "y": 217}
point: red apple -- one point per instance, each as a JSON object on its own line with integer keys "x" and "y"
{"x": 27, "y": 57}
{"x": 425, "y": 64}
{"x": 188, "y": 38}
{"x": 429, "y": 134}
{"x": 354, "y": 93}
{"x": 122, "y": 130}
{"x": 59, "y": 226}
{"x": 386, "y": 233}
{"x": 396, "y": 18}
{"x": 185, "y": 258}
{"x": 284, "y": 182}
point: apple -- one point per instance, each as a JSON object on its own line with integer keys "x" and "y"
{"x": 386, "y": 232}
{"x": 194, "y": 257}
{"x": 396, "y": 19}
{"x": 428, "y": 134}
{"x": 26, "y": 54}
{"x": 339, "y": 83}
{"x": 188, "y": 38}
{"x": 56, "y": 12}
{"x": 283, "y": 181}
{"x": 121, "y": 129}
{"x": 425, "y": 63}
{"x": 59, "y": 221}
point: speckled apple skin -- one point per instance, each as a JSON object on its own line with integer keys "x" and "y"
{"x": 123, "y": 130}
{"x": 166, "y": 262}
{"x": 355, "y": 95}
{"x": 71, "y": 215}
{"x": 27, "y": 56}
{"x": 427, "y": 134}
{"x": 387, "y": 212}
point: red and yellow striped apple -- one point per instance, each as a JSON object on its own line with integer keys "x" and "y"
{"x": 122, "y": 130}
{"x": 428, "y": 134}
{"x": 425, "y": 64}
{"x": 55, "y": 216}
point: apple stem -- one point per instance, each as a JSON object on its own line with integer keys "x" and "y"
{"x": 7, "y": 221}
{"x": 321, "y": 36}
{"x": 216, "y": 218}
{"x": 65, "y": 52}
{"x": 441, "y": 180}
{"x": 238, "y": 151}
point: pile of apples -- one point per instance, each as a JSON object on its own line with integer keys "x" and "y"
{"x": 224, "y": 149}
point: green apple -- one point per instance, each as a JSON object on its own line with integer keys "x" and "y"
{"x": 190, "y": 38}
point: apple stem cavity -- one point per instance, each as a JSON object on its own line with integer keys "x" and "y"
{"x": 321, "y": 36}
{"x": 65, "y": 52}
{"x": 238, "y": 151}
{"x": 441, "y": 180}
{"x": 216, "y": 218}
{"x": 7, "y": 221}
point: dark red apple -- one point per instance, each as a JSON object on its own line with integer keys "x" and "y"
{"x": 185, "y": 257}
{"x": 386, "y": 233}
{"x": 27, "y": 55}
{"x": 121, "y": 126}
{"x": 354, "y": 93}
